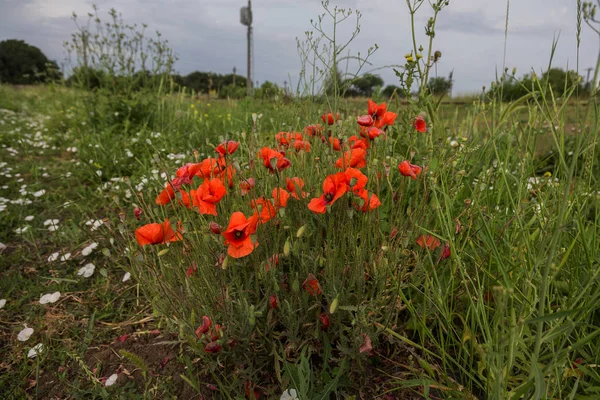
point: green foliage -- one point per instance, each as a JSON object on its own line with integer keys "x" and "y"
{"x": 363, "y": 86}
{"x": 440, "y": 86}
{"x": 23, "y": 64}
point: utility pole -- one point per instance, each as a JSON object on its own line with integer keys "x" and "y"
{"x": 249, "y": 83}
{"x": 246, "y": 20}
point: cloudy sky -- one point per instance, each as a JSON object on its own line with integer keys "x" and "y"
{"x": 207, "y": 34}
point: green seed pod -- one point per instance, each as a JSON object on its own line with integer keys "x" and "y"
{"x": 286, "y": 248}
{"x": 301, "y": 231}
{"x": 163, "y": 252}
{"x": 334, "y": 304}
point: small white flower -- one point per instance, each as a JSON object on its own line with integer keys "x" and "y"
{"x": 51, "y": 222}
{"x": 29, "y": 218}
{"x": 2, "y": 303}
{"x": 87, "y": 270}
{"x": 19, "y": 231}
{"x": 39, "y": 193}
{"x": 111, "y": 380}
{"x": 52, "y": 228}
{"x": 25, "y": 334}
{"x": 289, "y": 394}
{"x": 37, "y": 349}
{"x": 53, "y": 257}
{"x": 50, "y": 298}
{"x": 126, "y": 277}
{"x": 65, "y": 257}
{"x": 88, "y": 249}
{"x": 2, "y": 247}
{"x": 98, "y": 172}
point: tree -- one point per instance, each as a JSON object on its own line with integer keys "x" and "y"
{"x": 23, "y": 64}
{"x": 390, "y": 89}
{"x": 366, "y": 84}
{"x": 440, "y": 86}
{"x": 562, "y": 81}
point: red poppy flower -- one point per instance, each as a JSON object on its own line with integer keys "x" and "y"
{"x": 204, "y": 328}
{"x": 273, "y": 301}
{"x": 166, "y": 195}
{"x": 354, "y": 158}
{"x": 157, "y": 233}
{"x": 227, "y": 147}
{"x": 265, "y": 209}
{"x": 294, "y": 187}
{"x": 381, "y": 117}
{"x": 358, "y": 143}
{"x": 355, "y": 179}
{"x": 335, "y": 143}
{"x": 329, "y": 119}
{"x": 281, "y": 197}
{"x": 314, "y": 130}
{"x": 428, "y": 241}
{"x": 302, "y": 145}
{"x": 246, "y": 185}
{"x": 324, "y": 321}
{"x": 215, "y": 228}
{"x": 370, "y": 201}
{"x": 334, "y": 187}
{"x": 237, "y": 234}
{"x": 365, "y": 120}
{"x": 185, "y": 198}
{"x": 273, "y": 160}
{"x": 208, "y": 195}
{"x": 408, "y": 169}
{"x": 420, "y": 124}
{"x": 311, "y": 285}
{"x": 188, "y": 170}
{"x": 371, "y": 132}
{"x": 137, "y": 212}
{"x": 285, "y": 139}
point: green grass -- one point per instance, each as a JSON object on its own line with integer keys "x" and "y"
{"x": 509, "y": 313}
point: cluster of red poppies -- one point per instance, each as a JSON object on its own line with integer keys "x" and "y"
{"x": 218, "y": 175}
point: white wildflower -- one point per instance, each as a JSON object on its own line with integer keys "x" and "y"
{"x": 25, "y": 334}
{"x": 126, "y": 277}
{"x": 37, "y": 349}
{"x": 50, "y": 298}
{"x": 111, "y": 380}
{"x": 87, "y": 270}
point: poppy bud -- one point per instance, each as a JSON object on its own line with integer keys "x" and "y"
{"x": 324, "y": 321}
{"x": 215, "y": 228}
{"x": 212, "y": 347}
{"x": 137, "y": 212}
{"x": 273, "y": 302}
{"x": 202, "y": 329}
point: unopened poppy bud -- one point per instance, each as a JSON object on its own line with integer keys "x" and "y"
{"x": 137, "y": 212}
{"x": 215, "y": 228}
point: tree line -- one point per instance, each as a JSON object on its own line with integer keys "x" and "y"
{"x": 23, "y": 64}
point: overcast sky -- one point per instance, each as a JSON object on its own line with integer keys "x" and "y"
{"x": 207, "y": 34}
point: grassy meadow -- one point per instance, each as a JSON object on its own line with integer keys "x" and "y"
{"x": 158, "y": 245}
